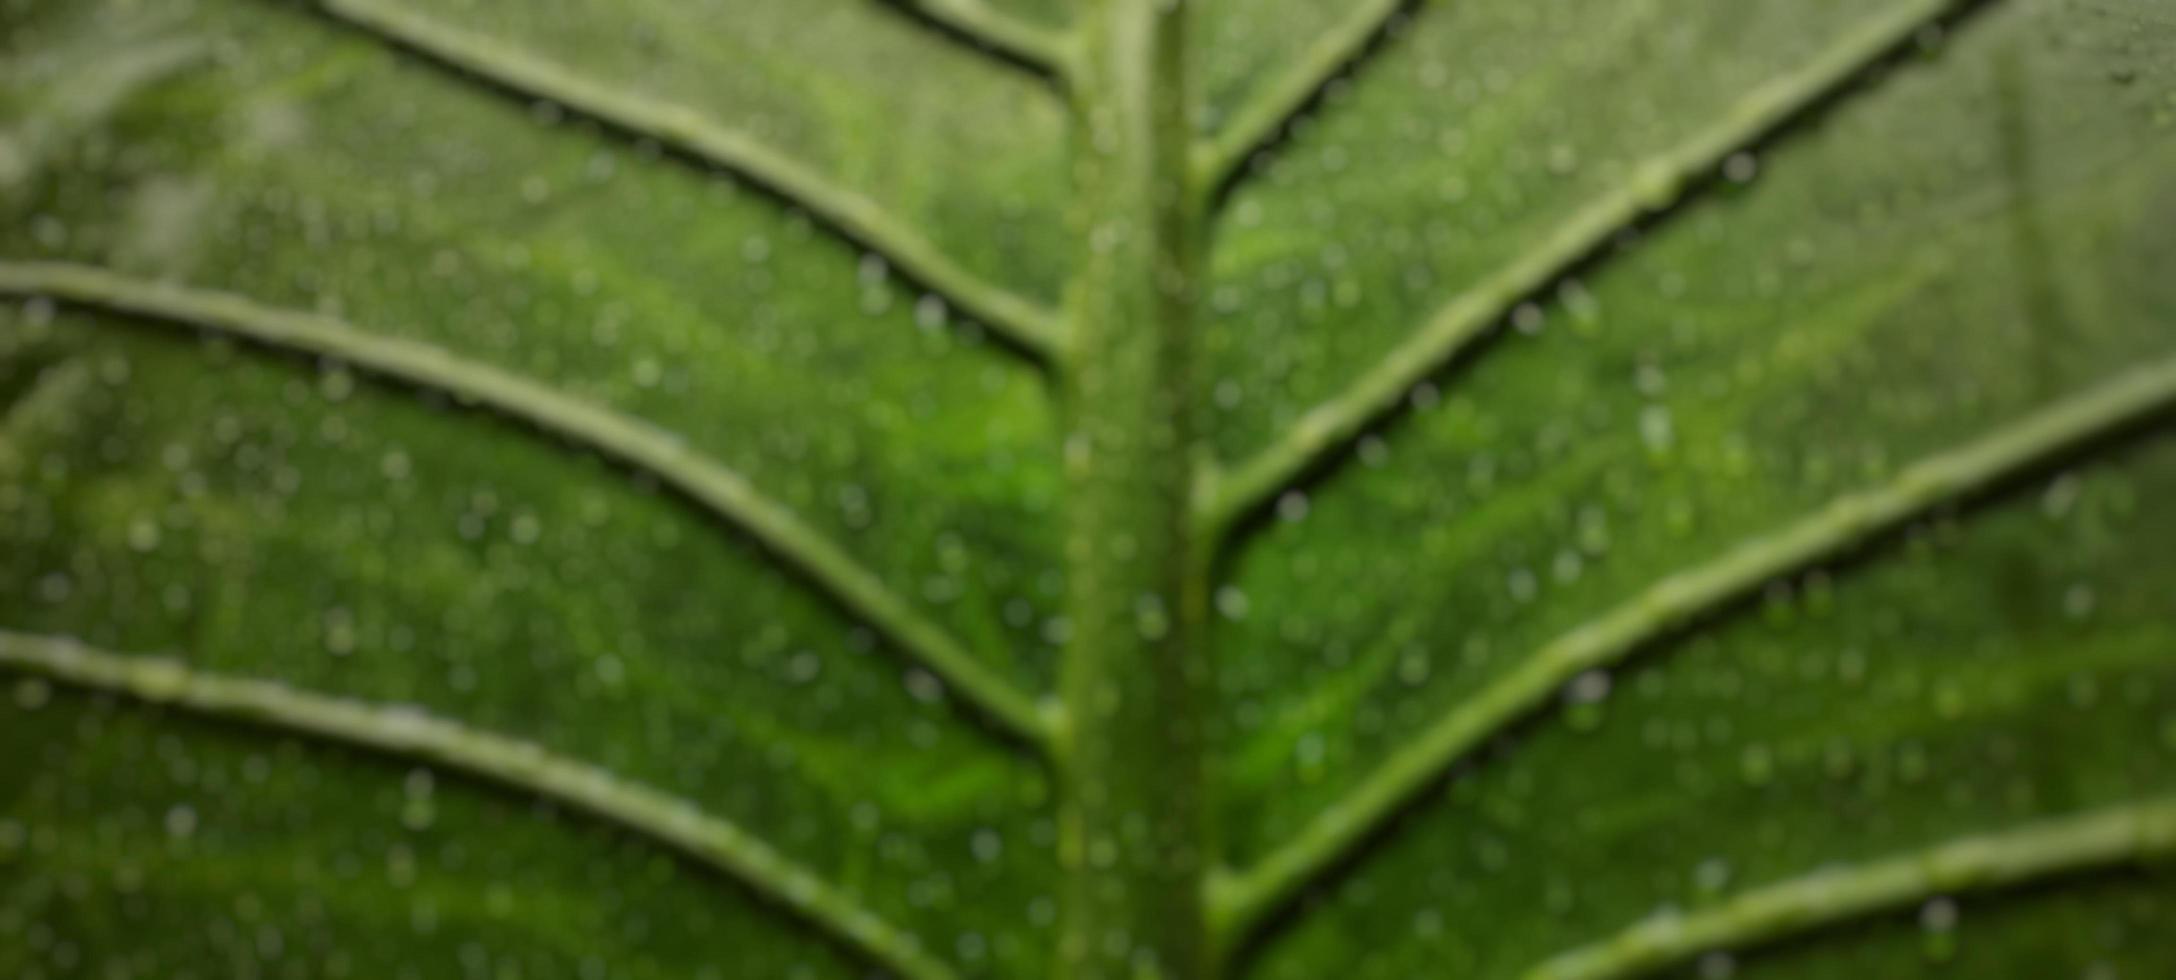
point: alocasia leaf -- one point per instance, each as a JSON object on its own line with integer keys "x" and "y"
{"x": 1110, "y": 488}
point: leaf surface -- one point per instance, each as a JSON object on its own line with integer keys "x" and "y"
{"x": 1971, "y": 232}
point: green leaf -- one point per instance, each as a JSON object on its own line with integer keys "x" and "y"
{"x": 1012, "y": 488}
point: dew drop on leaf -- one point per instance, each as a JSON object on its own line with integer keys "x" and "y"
{"x": 1528, "y": 318}
{"x": 1657, "y": 429}
{"x": 987, "y": 845}
{"x": 1522, "y": 585}
{"x": 1413, "y": 668}
{"x": 1741, "y": 168}
{"x": 1757, "y": 764}
{"x": 32, "y": 693}
{"x": 1428, "y": 923}
{"x": 339, "y": 631}
{"x": 924, "y": 686}
{"x": 1231, "y": 602}
{"x": 1151, "y": 619}
{"x": 2079, "y": 600}
{"x": 180, "y": 821}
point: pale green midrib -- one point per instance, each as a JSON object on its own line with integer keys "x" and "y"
{"x": 410, "y": 732}
{"x": 1133, "y": 834}
{"x": 1656, "y": 184}
{"x": 2097, "y": 839}
{"x": 629, "y": 440}
{"x": 1024, "y": 322}
{"x": 1047, "y": 49}
{"x": 1243, "y": 897}
{"x": 1268, "y": 111}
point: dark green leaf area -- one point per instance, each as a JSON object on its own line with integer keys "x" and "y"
{"x": 143, "y": 844}
{"x": 375, "y": 545}
{"x": 1768, "y": 349}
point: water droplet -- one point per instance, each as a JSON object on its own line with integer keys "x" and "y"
{"x": 1231, "y": 602}
{"x": 611, "y": 671}
{"x": 1718, "y": 965}
{"x": 339, "y": 631}
{"x": 924, "y": 686}
{"x": 1522, "y": 585}
{"x": 930, "y": 313}
{"x": 1656, "y": 428}
{"x": 1741, "y": 168}
{"x": 988, "y": 845}
{"x": 1563, "y": 159}
{"x": 1567, "y": 566}
{"x": 1374, "y": 451}
{"x": 2060, "y": 497}
{"x": 1413, "y": 667}
{"x": 1150, "y": 618}
{"x": 1757, "y": 763}
{"x": 2079, "y": 601}
{"x": 180, "y": 821}
{"x": 1593, "y": 531}
{"x": 1528, "y": 319}
{"x": 32, "y": 693}
{"x": 1583, "y": 698}
{"x": 417, "y": 810}
{"x": 1938, "y": 926}
{"x": 1711, "y": 876}
{"x": 1308, "y": 754}
{"x": 143, "y": 535}
{"x": 400, "y": 866}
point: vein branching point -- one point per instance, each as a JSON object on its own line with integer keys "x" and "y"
{"x": 1266, "y": 114}
{"x": 1047, "y": 50}
{"x": 1684, "y": 597}
{"x": 2111, "y": 836}
{"x": 411, "y": 733}
{"x": 1473, "y": 314}
{"x": 1020, "y": 320}
{"x": 629, "y": 440}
